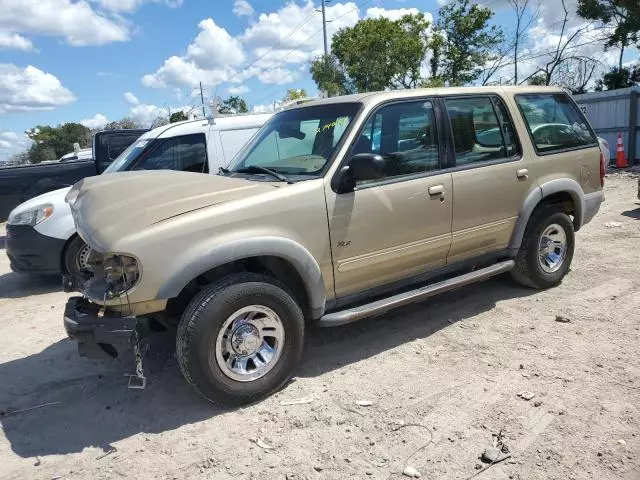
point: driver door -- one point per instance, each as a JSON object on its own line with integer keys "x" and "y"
{"x": 400, "y": 225}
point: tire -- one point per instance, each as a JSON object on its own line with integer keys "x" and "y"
{"x": 529, "y": 270}
{"x": 204, "y": 331}
{"x": 73, "y": 257}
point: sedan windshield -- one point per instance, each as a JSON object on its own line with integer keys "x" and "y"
{"x": 296, "y": 142}
{"x": 127, "y": 157}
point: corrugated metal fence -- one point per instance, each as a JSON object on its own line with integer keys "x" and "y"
{"x": 613, "y": 112}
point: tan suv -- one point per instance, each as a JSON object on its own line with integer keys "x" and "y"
{"x": 336, "y": 210}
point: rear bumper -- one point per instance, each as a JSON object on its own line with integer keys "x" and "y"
{"x": 98, "y": 336}
{"x": 31, "y": 252}
{"x": 592, "y": 203}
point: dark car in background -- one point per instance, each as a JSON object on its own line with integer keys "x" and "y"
{"x": 20, "y": 183}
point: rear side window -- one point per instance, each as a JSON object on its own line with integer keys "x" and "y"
{"x": 187, "y": 153}
{"x": 482, "y": 130}
{"x": 554, "y": 122}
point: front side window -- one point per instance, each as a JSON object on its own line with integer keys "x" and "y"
{"x": 126, "y": 158}
{"x": 555, "y": 122}
{"x": 406, "y": 137}
{"x": 299, "y": 141}
{"x": 186, "y": 153}
{"x": 479, "y": 135}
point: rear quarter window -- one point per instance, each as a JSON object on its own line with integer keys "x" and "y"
{"x": 554, "y": 122}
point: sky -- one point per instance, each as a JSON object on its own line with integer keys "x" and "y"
{"x": 93, "y": 61}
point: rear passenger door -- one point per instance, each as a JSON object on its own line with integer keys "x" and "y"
{"x": 491, "y": 178}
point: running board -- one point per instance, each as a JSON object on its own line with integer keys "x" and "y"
{"x": 343, "y": 317}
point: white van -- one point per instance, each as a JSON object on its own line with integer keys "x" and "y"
{"x": 41, "y": 235}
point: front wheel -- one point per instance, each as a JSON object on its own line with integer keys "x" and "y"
{"x": 240, "y": 339}
{"x": 547, "y": 250}
{"x": 76, "y": 258}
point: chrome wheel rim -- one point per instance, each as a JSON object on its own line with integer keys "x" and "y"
{"x": 82, "y": 258}
{"x": 552, "y": 248}
{"x": 249, "y": 343}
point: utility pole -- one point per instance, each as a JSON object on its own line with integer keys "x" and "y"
{"x": 324, "y": 28}
{"x": 202, "y": 100}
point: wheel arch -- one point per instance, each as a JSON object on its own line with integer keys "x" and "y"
{"x": 286, "y": 260}
{"x": 564, "y": 192}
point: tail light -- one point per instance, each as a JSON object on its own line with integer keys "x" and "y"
{"x": 603, "y": 169}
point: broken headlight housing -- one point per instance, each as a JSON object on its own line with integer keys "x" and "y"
{"x": 113, "y": 274}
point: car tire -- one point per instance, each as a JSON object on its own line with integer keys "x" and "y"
{"x": 547, "y": 249}
{"x": 240, "y": 339}
{"x": 75, "y": 258}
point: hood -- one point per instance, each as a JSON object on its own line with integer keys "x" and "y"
{"x": 109, "y": 207}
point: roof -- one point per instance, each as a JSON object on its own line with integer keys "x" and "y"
{"x": 231, "y": 122}
{"x": 375, "y": 97}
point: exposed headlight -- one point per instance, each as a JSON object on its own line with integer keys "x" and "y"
{"x": 114, "y": 274}
{"x": 31, "y": 217}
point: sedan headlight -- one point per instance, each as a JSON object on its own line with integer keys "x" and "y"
{"x": 31, "y": 217}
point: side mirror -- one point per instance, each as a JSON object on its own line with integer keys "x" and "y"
{"x": 363, "y": 166}
{"x": 367, "y": 166}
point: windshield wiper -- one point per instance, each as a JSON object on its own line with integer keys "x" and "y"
{"x": 223, "y": 171}
{"x": 261, "y": 169}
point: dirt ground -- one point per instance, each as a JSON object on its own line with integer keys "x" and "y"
{"x": 453, "y": 366}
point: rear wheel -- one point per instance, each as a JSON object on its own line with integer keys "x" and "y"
{"x": 76, "y": 258}
{"x": 240, "y": 339}
{"x": 546, "y": 251}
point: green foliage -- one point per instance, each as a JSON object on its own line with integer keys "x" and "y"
{"x": 178, "y": 116}
{"x": 620, "y": 17}
{"x": 50, "y": 143}
{"x": 464, "y": 42}
{"x": 376, "y": 54}
{"x": 294, "y": 94}
{"x": 125, "y": 124}
{"x": 619, "y": 78}
{"x": 233, "y": 104}
{"x": 330, "y": 76}
{"x": 159, "y": 121}
{"x": 538, "y": 79}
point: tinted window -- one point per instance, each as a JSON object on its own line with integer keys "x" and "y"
{"x": 478, "y": 134}
{"x": 554, "y": 122}
{"x": 405, "y": 135}
{"x": 299, "y": 141}
{"x": 187, "y": 153}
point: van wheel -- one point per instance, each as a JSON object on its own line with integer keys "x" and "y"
{"x": 240, "y": 339}
{"x": 76, "y": 257}
{"x": 547, "y": 250}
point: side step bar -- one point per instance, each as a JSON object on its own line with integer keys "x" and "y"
{"x": 350, "y": 315}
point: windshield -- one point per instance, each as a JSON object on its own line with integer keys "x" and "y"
{"x": 127, "y": 157}
{"x": 298, "y": 141}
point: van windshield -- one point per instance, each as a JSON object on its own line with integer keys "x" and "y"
{"x": 126, "y": 158}
{"x": 297, "y": 142}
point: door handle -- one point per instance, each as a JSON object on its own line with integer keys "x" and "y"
{"x": 436, "y": 190}
{"x": 522, "y": 173}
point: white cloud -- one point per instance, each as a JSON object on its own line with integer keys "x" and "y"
{"x": 146, "y": 114}
{"x": 129, "y": 6}
{"x": 13, "y": 41}
{"x": 242, "y": 8}
{"x": 29, "y": 88}
{"x": 239, "y": 90}
{"x": 376, "y": 12}
{"x": 77, "y": 22}
{"x": 96, "y": 123}
{"x": 278, "y": 76}
{"x": 12, "y": 142}
{"x": 266, "y": 108}
{"x": 131, "y": 98}
{"x": 209, "y": 59}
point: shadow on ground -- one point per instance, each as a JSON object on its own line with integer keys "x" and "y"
{"x": 18, "y": 285}
{"x": 632, "y": 213}
{"x": 3, "y": 241}
{"x": 97, "y": 409}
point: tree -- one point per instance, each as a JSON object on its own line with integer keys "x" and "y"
{"x": 330, "y": 76}
{"x": 294, "y": 94}
{"x": 159, "y": 121}
{"x": 537, "y": 79}
{"x": 233, "y": 105}
{"x": 377, "y": 54}
{"x": 178, "y": 116}
{"x": 623, "y": 78}
{"x": 50, "y": 143}
{"x": 126, "y": 123}
{"x": 464, "y": 41}
{"x": 564, "y": 48}
{"x": 520, "y": 8}
{"x": 575, "y": 74}
{"x": 620, "y": 18}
